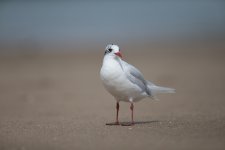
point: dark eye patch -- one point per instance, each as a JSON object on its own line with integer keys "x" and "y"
{"x": 109, "y": 49}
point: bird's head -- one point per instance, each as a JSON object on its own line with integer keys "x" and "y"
{"x": 113, "y": 50}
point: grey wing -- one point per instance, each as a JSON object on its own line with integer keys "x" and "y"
{"x": 136, "y": 77}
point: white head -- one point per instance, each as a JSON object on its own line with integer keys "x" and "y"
{"x": 113, "y": 50}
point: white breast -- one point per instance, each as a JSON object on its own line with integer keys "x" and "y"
{"x": 116, "y": 83}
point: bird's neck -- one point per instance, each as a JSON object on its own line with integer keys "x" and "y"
{"x": 112, "y": 61}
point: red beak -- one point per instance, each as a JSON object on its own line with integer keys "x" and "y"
{"x": 118, "y": 54}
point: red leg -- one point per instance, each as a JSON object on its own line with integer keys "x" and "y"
{"x": 132, "y": 116}
{"x": 132, "y": 113}
{"x": 117, "y": 112}
{"x": 117, "y": 115}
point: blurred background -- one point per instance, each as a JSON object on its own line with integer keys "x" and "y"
{"x": 51, "y": 51}
{"x": 68, "y": 26}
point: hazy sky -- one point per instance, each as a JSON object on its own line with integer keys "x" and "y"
{"x": 107, "y": 20}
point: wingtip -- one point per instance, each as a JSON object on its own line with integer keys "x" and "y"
{"x": 172, "y": 90}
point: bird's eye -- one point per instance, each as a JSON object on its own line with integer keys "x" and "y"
{"x": 110, "y": 49}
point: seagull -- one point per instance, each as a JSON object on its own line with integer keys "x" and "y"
{"x": 125, "y": 82}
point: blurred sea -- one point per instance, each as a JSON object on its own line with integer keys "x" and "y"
{"x": 74, "y": 23}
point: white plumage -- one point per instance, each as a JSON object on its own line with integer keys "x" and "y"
{"x": 124, "y": 81}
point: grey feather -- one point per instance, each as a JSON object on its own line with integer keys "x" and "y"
{"x": 136, "y": 77}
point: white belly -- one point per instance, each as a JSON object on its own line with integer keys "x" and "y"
{"x": 118, "y": 85}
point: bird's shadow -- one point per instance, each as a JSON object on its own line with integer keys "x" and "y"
{"x": 146, "y": 122}
{"x": 134, "y": 123}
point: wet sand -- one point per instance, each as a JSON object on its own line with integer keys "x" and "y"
{"x": 58, "y": 102}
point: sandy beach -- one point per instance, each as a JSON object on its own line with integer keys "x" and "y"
{"x": 58, "y": 102}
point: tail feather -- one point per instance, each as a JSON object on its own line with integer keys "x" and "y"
{"x": 159, "y": 89}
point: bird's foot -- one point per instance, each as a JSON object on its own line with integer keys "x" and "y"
{"x": 127, "y": 124}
